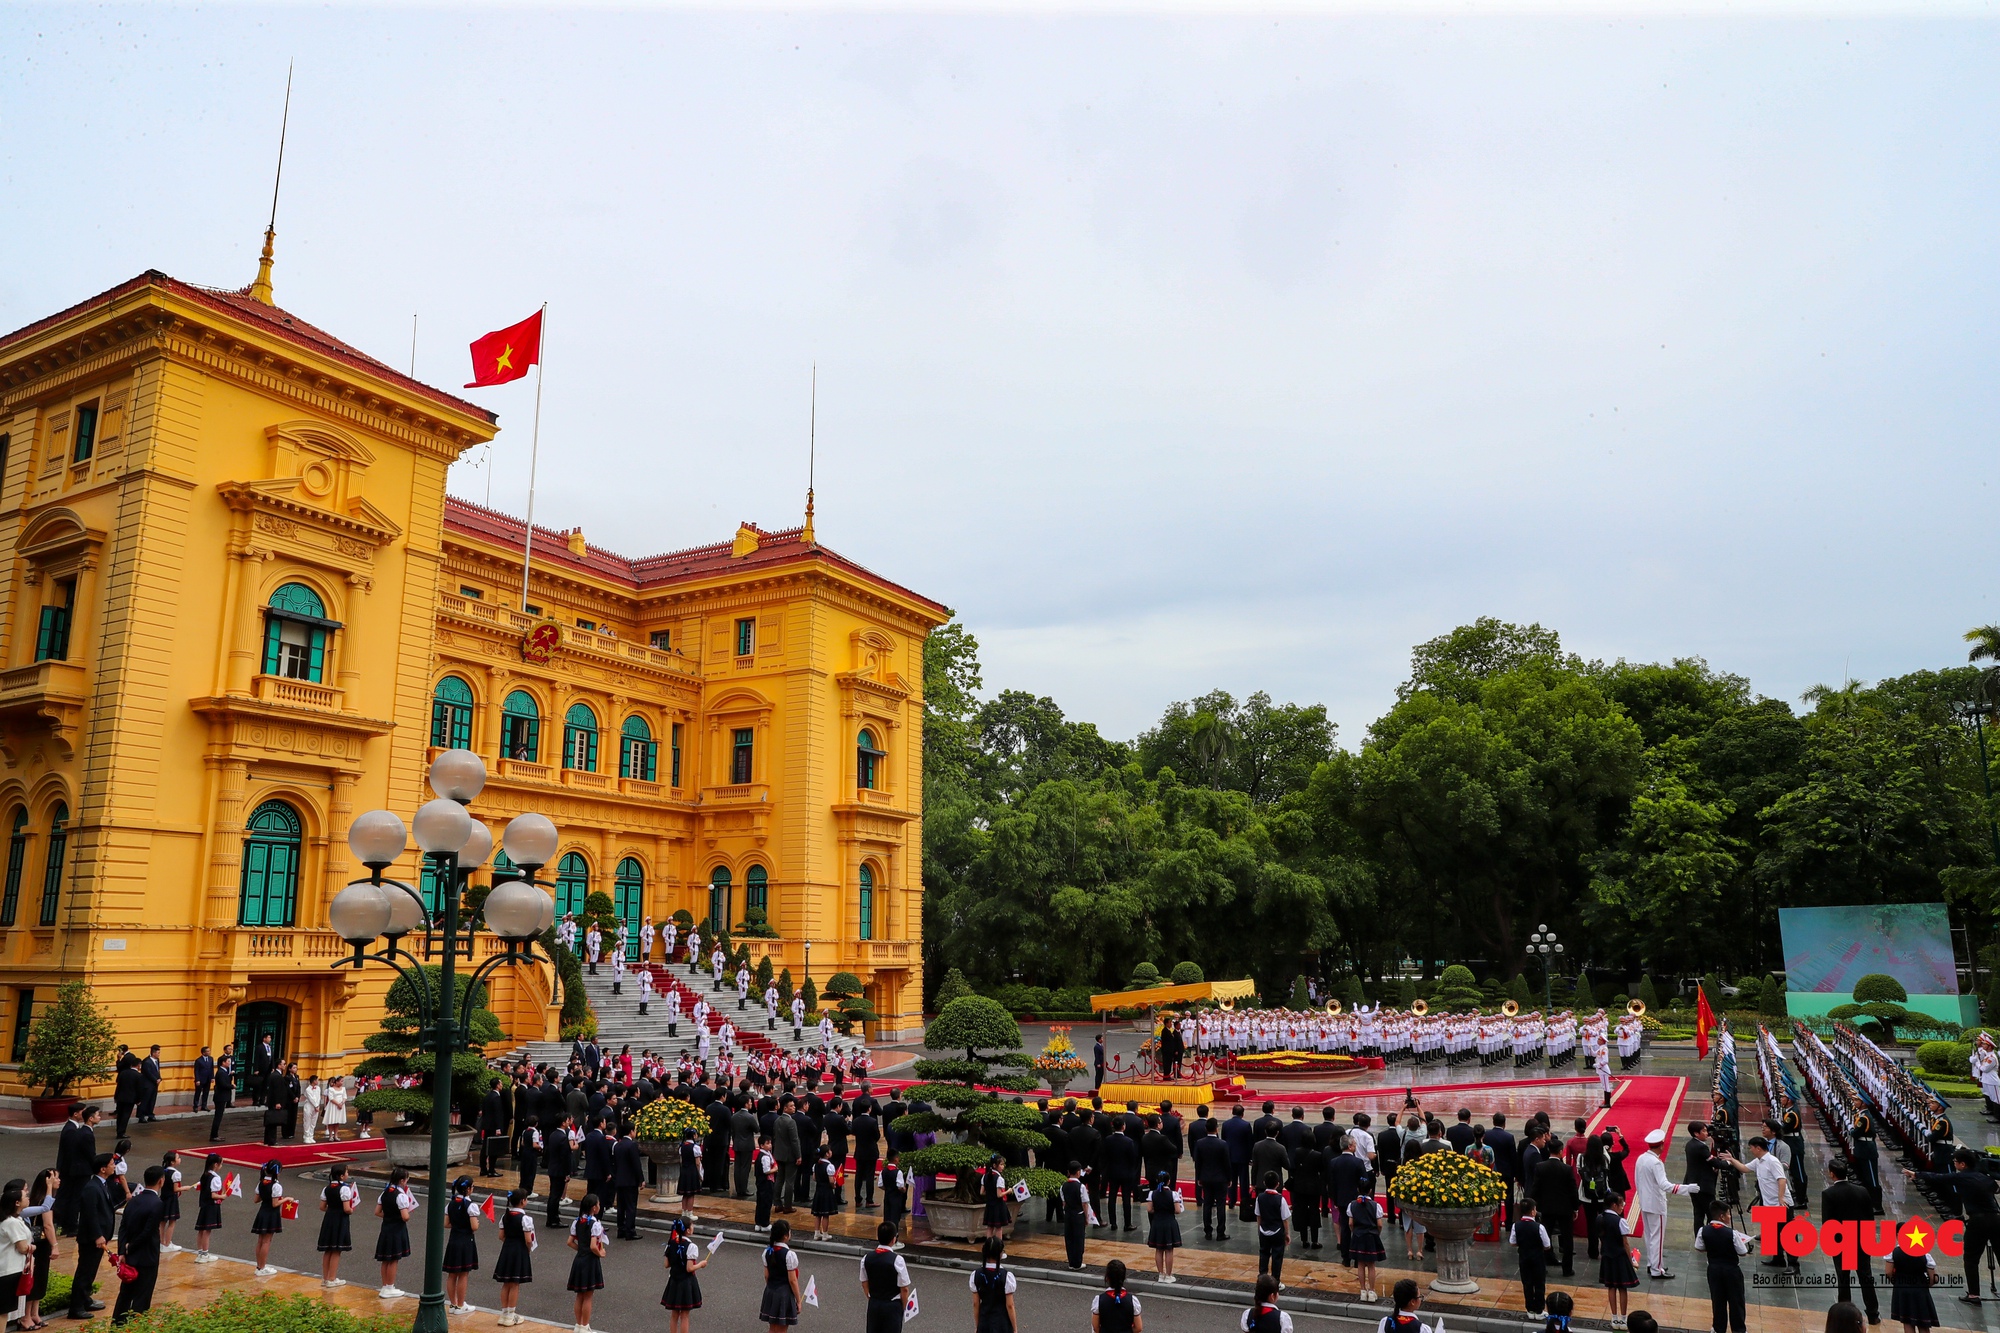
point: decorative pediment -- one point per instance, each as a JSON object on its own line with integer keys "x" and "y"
{"x": 55, "y": 533}
{"x": 282, "y": 513}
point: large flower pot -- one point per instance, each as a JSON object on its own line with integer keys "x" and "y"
{"x": 1452, "y": 1228}
{"x": 48, "y": 1110}
{"x": 412, "y": 1149}
{"x": 1056, "y": 1082}
{"x": 666, "y": 1155}
{"x": 951, "y": 1220}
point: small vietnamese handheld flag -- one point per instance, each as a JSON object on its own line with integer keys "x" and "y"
{"x": 232, "y": 1187}
{"x": 507, "y": 353}
{"x": 1704, "y": 1022}
{"x": 489, "y": 1209}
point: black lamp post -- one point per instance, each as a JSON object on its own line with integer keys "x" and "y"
{"x": 1544, "y": 942}
{"x": 516, "y": 909}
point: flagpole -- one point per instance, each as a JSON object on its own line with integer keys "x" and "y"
{"x": 534, "y": 454}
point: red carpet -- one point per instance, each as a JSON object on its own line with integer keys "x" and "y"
{"x": 255, "y": 1154}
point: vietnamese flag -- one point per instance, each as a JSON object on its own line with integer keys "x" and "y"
{"x": 489, "y": 1209}
{"x": 507, "y": 353}
{"x": 1704, "y": 1022}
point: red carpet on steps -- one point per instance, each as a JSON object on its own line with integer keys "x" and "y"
{"x": 255, "y": 1154}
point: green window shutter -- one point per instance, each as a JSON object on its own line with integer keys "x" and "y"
{"x": 867, "y": 902}
{"x": 316, "y": 671}
{"x": 271, "y": 627}
{"x": 52, "y": 868}
{"x": 17, "y": 855}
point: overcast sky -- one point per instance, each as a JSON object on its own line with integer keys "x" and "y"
{"x": 1173, "y": 351}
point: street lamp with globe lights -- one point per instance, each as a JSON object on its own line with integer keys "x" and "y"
{"x": 517, "y": 909}
{"x": 1544, "y": 943}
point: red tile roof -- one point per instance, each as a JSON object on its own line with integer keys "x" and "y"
{"x": 782, "y": 547}
{"x": 271, "y": 319}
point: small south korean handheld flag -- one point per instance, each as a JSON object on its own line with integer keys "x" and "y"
{"x": 1021, "y": 1190}
{"x": 910, "y": 1307}
{"x": 715, "y": 1244}
{"x": 812, "y": 1292}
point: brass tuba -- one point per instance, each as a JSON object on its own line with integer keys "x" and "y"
{"x": 1510, "y": 1008}
{"x": 1636, "y": 1008}
{"x": 1333, "y": 1006}
{"x": 1420, "y": 1007}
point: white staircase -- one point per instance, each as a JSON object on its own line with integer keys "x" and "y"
{"x": 619, "y": 1022}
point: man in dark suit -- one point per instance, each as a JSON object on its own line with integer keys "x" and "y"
{"x": 1460, "y": 1134}
{"x": 596, "y": 1160}
{"x": 1171, "y": 1127}
{"x": 1700, "y": 1170}
{"x": 1268, "y": 1123}
{"x": 289, "y": 1090}
{"x": 225, "y": 1093}
{"x": 1239, "y": 1138}
{"x": 150, "y": 1075}
{"x": 1506, "y": 1159}
{"x": 1120, "y": 1159}
{"x": 1097, "y": 1061}
{"x": 1157, "y": 1152}
{"x": 95, "y": 1230}
{"x": 715, "y": 1146}
{"x": 75, "y": 1153}
{"x": 1268, "y": 1157}
{"x": 1554, "y": 1188}
{"x": 139, "y": 1243}
{"x": 492, "y": 1130}
{"x": 1212, "y": 1174}
{"x": 1295, "y": 1136}
{"x": 809, "y": 1136}
{"x": 1389, "y": 1158}
{"x": 558, "y": 1162}
{"x": 628, "y": 1172}
{"x": 204, "y": 1078}
{"x": 1326, "y": 1134}
{"x": 743, "y": 1144}
{"x": 1346, "y": 1178}
{"x": 1084, "y": 1142}
{"x": 1846, "y": 1201}
{"x": 262, "y": 1063}
{"x": 128, "y": 1089}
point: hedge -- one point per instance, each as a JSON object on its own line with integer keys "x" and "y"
{"x": 265, "y": 1312}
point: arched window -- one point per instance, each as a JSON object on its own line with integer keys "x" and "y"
{"x": 572, "y": 884}
{"x": 295, "y": 630}
{"x": 867, "y": 762}
{"x": 271, "y": 839}
{"x": 867, "y": 900}
{"x": 718, "y": 898}
{"x": 756, "y": 893}
{"x": 451, "y": 715}
{"x": 639, "y": 753}
{"x": 580, "y": 738}
{"x": 520, "y": 727}
{"x": 52, "y": 866}
{"x": 628, "y": 899}
{"x": 17, "y": 857}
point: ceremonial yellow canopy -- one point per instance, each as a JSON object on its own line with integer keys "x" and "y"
{"x": 1200, "y": 990}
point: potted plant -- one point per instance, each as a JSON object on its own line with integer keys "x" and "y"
{"x": 658, "y": 1132}
{"x": 71, "y": 1042}
{"x": 397, "y": 1054}
{"x": 979, "y": 1122}
{"x": 1058, "y": 1063}
{"x": 1453, "y": 1196}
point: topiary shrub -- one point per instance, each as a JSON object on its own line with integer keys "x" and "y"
{"x": 785, "y": 990}
{"x": 1518, "y": 992}
{"x": 974, "y": 1023}
{"x": 1878, "y": 988}
{"x": 1456, "y": 989}
{"x": 809, "y": 994}
{"x": 1649, "y": 993}
{"x": 396, "y": 1046}
{"x": 1773, "y": 997}
{"x": 766, "y": 974}
{"x": 1581, "y": 998}
{"x": 954, "y": 986}
{"x": 1352, "y": 994}
{"x": 1144, "y": 977}
{"x": 850, "y": 1006}
{"x": 1946, "y": 1058}
{"x": 1187, "y": 974}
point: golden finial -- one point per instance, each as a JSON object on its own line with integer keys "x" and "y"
{"x": 260, "y": 290}
{"x": 812, "y": 455}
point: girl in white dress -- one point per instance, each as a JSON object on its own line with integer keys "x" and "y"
{"x": 335, "y": 1114}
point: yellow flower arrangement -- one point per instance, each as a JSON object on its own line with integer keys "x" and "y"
{"x": 664, "y": 1119}
{"x": 1059, "y": 1056}
{"x": 1445, "y": 1179}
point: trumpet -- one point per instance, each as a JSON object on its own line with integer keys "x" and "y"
{"x": 1333, "y": 1006}
{"x": 1636, "y": 1008}
{"x": 1511, "y": 1008}
{"x": 1420, "y": 1007}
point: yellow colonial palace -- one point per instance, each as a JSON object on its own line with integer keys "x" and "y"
{"x": 240, "y": 609}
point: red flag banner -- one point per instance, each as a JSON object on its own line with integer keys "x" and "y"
{"x": 506, "y": 354}
{"x": 491, "y": 1210}
{"x": 1704, "y": 1022}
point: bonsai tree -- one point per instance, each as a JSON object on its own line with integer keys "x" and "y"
{"x": 598, "y": 911}
{"x": 754, "y": 926}
{"x": 1144, "y": 977}
{"x": 1878, "y": 1002}
{"x": 980, "y": 1121}
{"x": 1457, "y": 990}
{"x": 1187, "y": 974}
{"x": 684, "y": 921}
{"x": 396, "y": 1046}
{"x": 951, "y": 988}
{"x": 71, "y": 1041}
{"x": 849, "y": 1006}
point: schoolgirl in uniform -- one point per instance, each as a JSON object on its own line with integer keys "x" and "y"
{"x": 993, "y": 1192}
{"x": 1614, "y": 1265}
{"x": 690, "y": 1173}
{"x": 1115, "y": 1310}
{"x": 515, "y": 1266}
{"x": 392, "y": 1246}
{"x": 779, "y": 1309}
{"x": 270, "y": 1218}
{"x": 683, "y": 1259}
{"x": 1910, "y": 1280}
{"x": 586, "y": 1270}
{"x": 461, "y": 1248}
{"x": 826, "y": 1193}
{"x": 1264, "y": 1316}
{"x": 1364, "y": 1241}
{"x": 993, "y": 1293}
{"x": 336, "y": 1231}
{"x": 895, "y": 1194}
{"x": 208, "y": 1207}
{"x": 170, "y": 1201}
{"x": 1163, "y": 1230}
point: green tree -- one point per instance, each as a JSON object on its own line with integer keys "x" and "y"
{"x": 1264, "y": 750}
{"x": 1519, "y": 993}
{"x": 1457, "y": 990}
{"x": 1301, "y": 997}
{"x": 1351, "y": 992}
{"x": 951, "y": 988}
{"x": 988, "y": 1035}
{"x": 1648, "y": 993}
{"x": 765, "y": 974}
{"x": 1187, "y": 974}
{"x": 71, "y": 1042}
{"x": 785, "y": 989}
{"x": 809, "y": 994}
{"x": 1772, "y": 997}
{"x": 1581, "y": 997}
